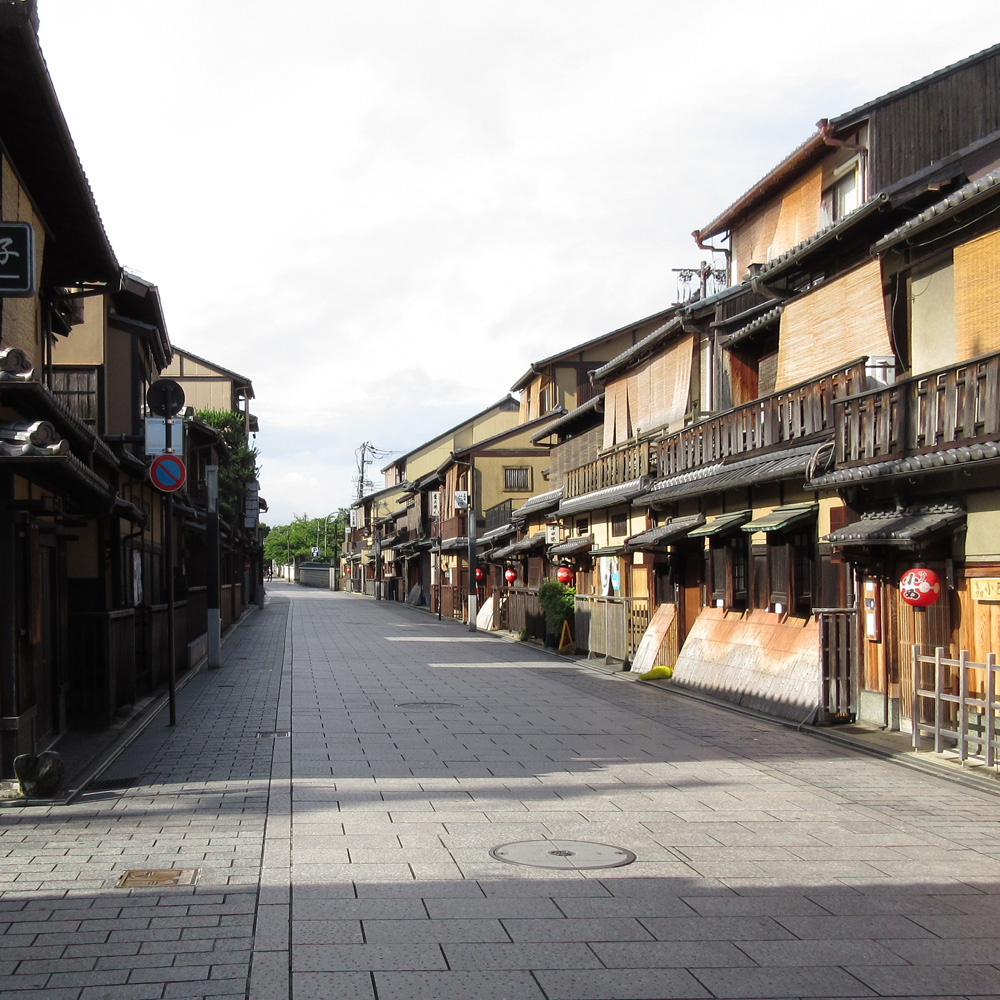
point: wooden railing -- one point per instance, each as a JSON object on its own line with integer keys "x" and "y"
{"x": 619, "y": 466}
{"x": 610, "y": 626}
{"x": 499, "y": 515}
{"x": 799, "y": 412}
{"x": 956, "y": 703}
{"x": 951, "y": 406}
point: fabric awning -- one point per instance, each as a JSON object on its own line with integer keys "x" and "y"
{"x": 722, "y": 525}
{"x": 608, "y": 550}
{"x": 905, "y": 529}
{"x": 674, "y": 529}
{"x": 572, "y": 546}
{"x": 782, "y": 517}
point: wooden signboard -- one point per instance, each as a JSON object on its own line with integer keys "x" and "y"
{"x": 985, "y": 588}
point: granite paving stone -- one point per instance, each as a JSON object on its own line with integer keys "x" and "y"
{"x": 351, "y": 858}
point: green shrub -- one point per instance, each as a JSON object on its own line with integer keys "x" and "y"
{"x": 556, "y": 600}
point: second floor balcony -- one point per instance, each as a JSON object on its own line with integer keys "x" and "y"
{"x": 930, "y": 421}
{"x": 611, "y": 469}
{"x": 793, "y": 415}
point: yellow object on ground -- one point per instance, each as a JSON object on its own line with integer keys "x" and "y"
{"x": 657, "y": 673}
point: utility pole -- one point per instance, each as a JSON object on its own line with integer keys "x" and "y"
{"x": 212, "y": 578}
{"x": 471, "y": 531}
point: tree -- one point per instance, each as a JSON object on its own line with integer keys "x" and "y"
{"x": 286, "y": 541}
{"x": 239, "y": 468}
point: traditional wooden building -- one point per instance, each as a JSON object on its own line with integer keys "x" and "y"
{"x": 82, "y": 532}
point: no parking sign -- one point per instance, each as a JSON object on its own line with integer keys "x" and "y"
{"x": 168, "y": 473}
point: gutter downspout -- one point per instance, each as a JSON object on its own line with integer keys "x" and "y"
{"x": 826, "y": 133}
{"x": 702, "y": 245}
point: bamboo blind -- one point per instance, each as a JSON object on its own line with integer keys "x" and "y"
{"x": 977, "y": 296}
{"x": 799, "y": 217}
{"x": 654, "y": 395}
{"x": 839, "y": 322}
{"x": 751, "y": 241}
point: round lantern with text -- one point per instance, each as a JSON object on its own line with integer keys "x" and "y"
{"x": 920, "y": 587}
{"x": 510, "y": 576}
{"x": 564, "y": 574}
{"x": 479, "y": 573}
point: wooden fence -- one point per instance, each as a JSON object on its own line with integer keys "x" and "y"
{"x": 955, "y": 702}
{"x": 610, "y": 626}
{"x": 519, "y": 609}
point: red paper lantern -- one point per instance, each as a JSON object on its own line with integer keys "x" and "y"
{"x": 510, "y": 576}
{"x": 564, "y": 574}
{"x": 920, "y": 587}
{"x": 479, "y": 573}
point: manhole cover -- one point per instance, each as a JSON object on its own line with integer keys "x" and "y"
{"x": 568, "y": 854}
{"x": 155, "y": 878}
{"x": 273, "y": 734}
{"x": 428, "y": 704}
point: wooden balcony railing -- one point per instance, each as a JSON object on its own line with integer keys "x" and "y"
{"x": 958, "y": 405}
{"x": 619, "y": 466}
{"x": 498, "y": 516}
{"x": 801, "y": 411}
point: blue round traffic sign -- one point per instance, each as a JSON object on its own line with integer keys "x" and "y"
{"x": 168, "y": 473}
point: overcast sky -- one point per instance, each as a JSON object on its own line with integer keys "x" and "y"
{"x": 382, "y": 212}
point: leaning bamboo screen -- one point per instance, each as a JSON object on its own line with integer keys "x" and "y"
{"x": 977, "y": 296}
{"x": 835, "y": 324}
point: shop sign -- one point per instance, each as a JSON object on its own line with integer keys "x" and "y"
{"x": 985, "y": 588}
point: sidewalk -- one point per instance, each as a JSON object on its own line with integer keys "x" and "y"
{"x": 339, "y": 786}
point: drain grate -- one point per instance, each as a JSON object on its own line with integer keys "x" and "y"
{"x": 273, "y": 734}
{"x": 565, "y": 854}
{"x": 156, "y": 878}
{"x": 109, "y": 784}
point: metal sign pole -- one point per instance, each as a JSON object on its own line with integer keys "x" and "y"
{"x": 171, "y": 636}
{"x": 212, "y": 582}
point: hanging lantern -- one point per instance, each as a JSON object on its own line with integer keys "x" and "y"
{"x": 564, "y": 574}
{"x": 510, "y": 576}
{"x": 479, "y": 573}
{"x": 920, "y": 587}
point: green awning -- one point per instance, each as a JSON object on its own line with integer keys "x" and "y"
{"x": 783, "y": 517}
{"x": 722, "y": 525}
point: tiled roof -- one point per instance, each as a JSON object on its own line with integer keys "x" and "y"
{"x": 904, "y": 528}
{"x": 661, "y": 333}
{"x": 983, "y": 187}
{"x": 607, "y": 497}
{"x": 731, "y": 475}
{"x": 675, "y": 528}
{"x": 987, "y": 451}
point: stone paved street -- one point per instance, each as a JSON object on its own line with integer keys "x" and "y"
{"x": 341, "y": 781}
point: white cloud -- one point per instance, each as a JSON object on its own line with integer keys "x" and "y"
{"x": 382, "y": 212}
